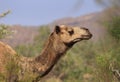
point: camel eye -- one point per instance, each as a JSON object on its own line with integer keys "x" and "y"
{"x": 71, "y": 32}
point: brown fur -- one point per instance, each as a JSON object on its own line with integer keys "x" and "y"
{"x": 5, "y": 49}
{"x": 59, "y": 41}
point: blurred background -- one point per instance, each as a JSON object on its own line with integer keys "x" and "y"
{"x": 44, "y": 12}
{"x": 96, "y": 60}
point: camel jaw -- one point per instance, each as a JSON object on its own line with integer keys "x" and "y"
{"x": 87, "y": 37}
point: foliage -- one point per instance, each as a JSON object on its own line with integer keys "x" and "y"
{"x": 4, "y": 31}
{"x": 4, "y": 28}
{"x": 72, "y": 67}
{"x": 12, "y": 69}
{"x": 4, "y": 13}
{"x": 2, "y": 77}
{"x": 85, "y": 62}
{"x": 36, "y": 47}
{"x": 114, "y": 27}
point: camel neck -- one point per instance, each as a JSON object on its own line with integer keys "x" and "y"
{"x": 52, "y": 52}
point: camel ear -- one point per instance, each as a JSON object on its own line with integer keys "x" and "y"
{"x": 57, "y": 29}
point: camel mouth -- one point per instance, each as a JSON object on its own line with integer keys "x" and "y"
{"x": 87, "y": 37}
{"x": 84, "y": 37}
{"x": 77, "y": 40}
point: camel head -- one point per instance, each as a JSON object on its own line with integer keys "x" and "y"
{"x": 60, "y": 40}
{"x": 70, "y": 35}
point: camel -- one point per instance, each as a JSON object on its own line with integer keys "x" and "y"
{"x": 16, "y": 68}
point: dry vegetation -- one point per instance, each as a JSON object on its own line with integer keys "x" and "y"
{"x": 86, "y": 62}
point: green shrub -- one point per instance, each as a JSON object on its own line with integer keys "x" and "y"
{"x": 4, "y": 28}
{"x": 114, "y": 27}
{"x": 35, "y": 48}
{"x": 85, "y": 62}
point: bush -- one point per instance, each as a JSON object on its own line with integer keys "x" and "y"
{"x": 114, "y": 27}
{"x": 85, "y": 62}
{"x": 3, "y": 28}
{"x": 4, "y": 31}
{"x": 35, "y": 48}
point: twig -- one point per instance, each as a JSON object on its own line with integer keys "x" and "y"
{"x": 4, "y": 13}
{"x": 116, "y": 72}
